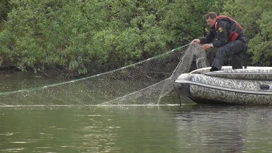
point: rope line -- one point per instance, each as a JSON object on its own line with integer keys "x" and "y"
{"x": 100, "y": 74}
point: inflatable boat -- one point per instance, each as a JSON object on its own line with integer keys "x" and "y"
{"x": 250, "y": 86}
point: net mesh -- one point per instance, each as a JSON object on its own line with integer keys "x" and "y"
{"x": 140, "y": 83}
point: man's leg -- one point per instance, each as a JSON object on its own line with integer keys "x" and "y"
{"x": 237, "y": 49}
{"x": 237, "y": 61}
{"x": 233, "y": 49}
{"x": 221, "y": 53}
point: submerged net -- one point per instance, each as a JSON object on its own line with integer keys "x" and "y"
{"x": 140, "y": 83}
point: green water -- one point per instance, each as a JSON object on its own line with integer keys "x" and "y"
{"x": 41, "y": 126}
{"x": 128, "y": 129}
{"x": 19, "y": 80}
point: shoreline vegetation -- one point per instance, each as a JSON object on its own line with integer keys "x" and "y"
{"x": 77, "y": 38}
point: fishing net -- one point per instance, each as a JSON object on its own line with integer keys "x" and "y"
{"x": 140, "y": 83}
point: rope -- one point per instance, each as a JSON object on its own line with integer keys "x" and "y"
{"x": 93, "y": 76}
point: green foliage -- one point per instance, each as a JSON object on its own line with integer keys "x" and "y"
{"x": 255, "y": 17}
{"x": 185, "y": 18}
{"x": 52, "y": 33}
{"x": 5, "y": 8}
{"x": 80, "y": 34}
{"x": 83, "y": 36}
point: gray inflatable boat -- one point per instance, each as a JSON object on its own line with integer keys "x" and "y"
{"x": 251, "y": 86}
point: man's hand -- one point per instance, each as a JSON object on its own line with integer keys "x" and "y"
{"x": 195, "y": 41}
{"x": 206, "y": 46}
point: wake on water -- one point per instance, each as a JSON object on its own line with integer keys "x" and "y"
{"x": 145, "y": 82}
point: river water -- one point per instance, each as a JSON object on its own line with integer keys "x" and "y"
{"x": 145, "y": 128}
{"x": 158, "y": 129}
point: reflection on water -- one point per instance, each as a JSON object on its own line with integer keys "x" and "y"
{"x": 160, "y": 129}
{"x": 225, "y": 128}
{"x": 85, "y": 129}
{"x": 12, "y": 81}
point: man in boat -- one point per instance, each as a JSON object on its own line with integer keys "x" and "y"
{"x": 227, "y": 37}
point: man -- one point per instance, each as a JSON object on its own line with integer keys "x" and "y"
{"x": 227, "y": 37}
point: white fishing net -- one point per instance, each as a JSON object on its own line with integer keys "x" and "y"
{"x": 194, "y": 57}
{"x": 140, "y": 83}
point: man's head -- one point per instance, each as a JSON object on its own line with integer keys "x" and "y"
{"x": 211, "y": 19}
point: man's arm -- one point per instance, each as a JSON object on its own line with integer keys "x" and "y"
{"x": 205, "y": 41}
{"x": 208, "y": 39}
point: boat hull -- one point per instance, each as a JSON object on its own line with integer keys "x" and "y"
{"x": 227, "y": 87}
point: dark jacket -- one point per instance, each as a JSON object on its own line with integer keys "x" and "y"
{"x": 224, "y": 31}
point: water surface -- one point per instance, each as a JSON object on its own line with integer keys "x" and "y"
{"x": 154, "y": 128}
{"x": 67, "y": 118}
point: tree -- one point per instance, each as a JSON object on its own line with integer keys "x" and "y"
{"x": 41, "y": 34}
{"x": 255, "y": 17}
{"x": 82, "y": 37}
{"x": 185, "y": 20}
{"x": 5, "y": 8}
